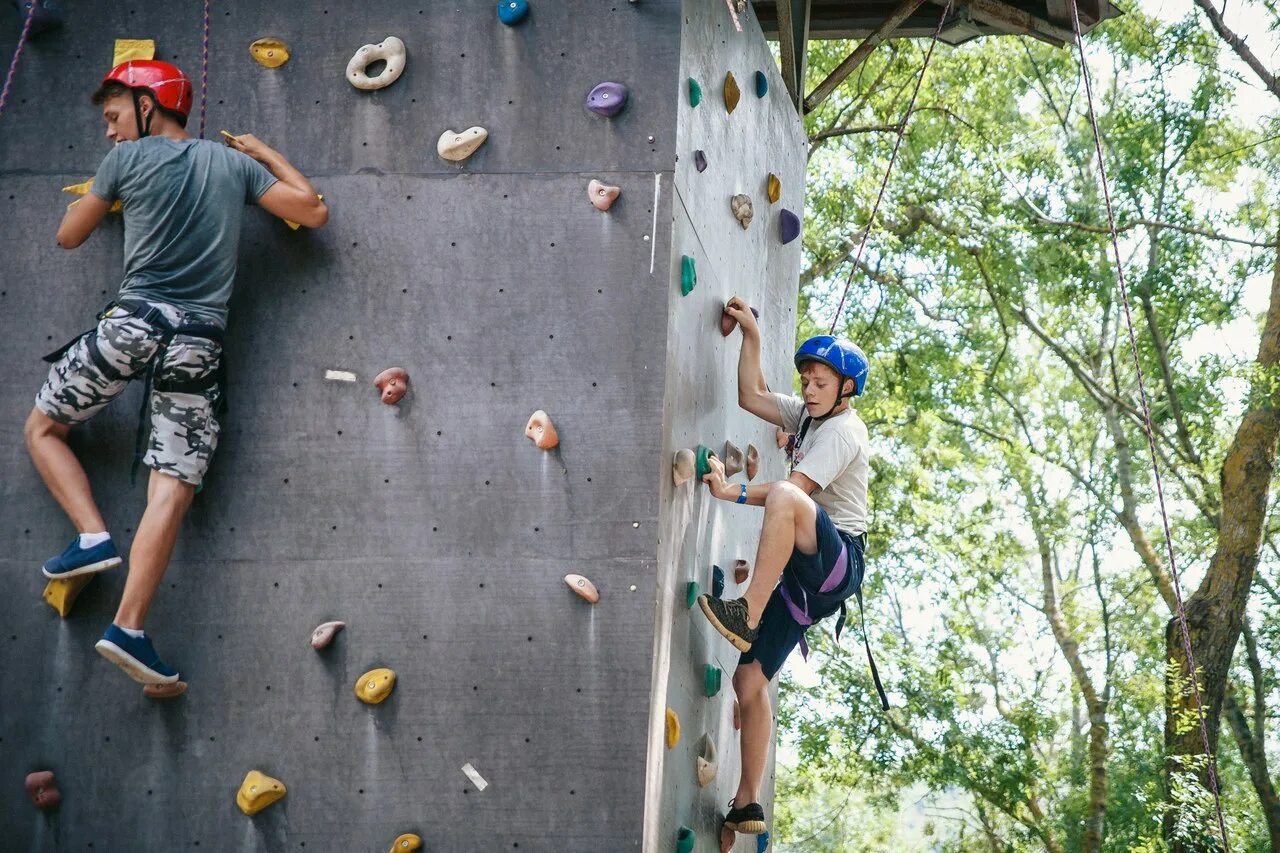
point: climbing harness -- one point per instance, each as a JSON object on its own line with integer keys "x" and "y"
{"x": 152, "y": 316}
{"x": 17, "y": 54}
{"x": 893, "y": 157}
{"x": 204, "y": 67}
{"x": 814, "y": 607}
{"x": 1146, "y": 422}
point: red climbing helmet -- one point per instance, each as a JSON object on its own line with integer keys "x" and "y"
{"x": 171, "y": 87}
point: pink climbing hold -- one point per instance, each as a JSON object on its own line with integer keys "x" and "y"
{"x": 728, "y": 324}
{"x": 393, "y": 383}
{"x": 43, "y": 790}
{"x": 583, "y": 587}
{"x": 541, "y": 431}
{"x": 324, "y": 633}
{"x": 602, "y": 196}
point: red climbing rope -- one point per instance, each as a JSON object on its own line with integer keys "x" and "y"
{"x": 1151, "y": 442}
{"x": 204, "y": 67}
{"x": 897, "y": 143}
{"x": 17, "y": 53}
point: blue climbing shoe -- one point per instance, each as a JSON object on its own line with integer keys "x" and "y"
{"x": 136, "y": 656}
{"x": 81, "y": 561}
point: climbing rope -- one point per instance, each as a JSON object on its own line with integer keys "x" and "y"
{"x": 17, "y": 54}
{"x": 897, "y": 143}
{"x": 1151, "y": 442}
{"x": 204, "y": 67}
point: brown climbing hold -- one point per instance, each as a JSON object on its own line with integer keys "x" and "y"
{"x": 406, "y": 843}
{"x": 269, "y": 52}
{"x": 731, "y": 92}
{"x": 43, "y": 790}
{"x": 781, "y": 437}
{"x": 258, "y": 791}
{"x": 732, "y": 459}
{"x": 393, "y": 383}
{"x": 324, "y": 633}
{"x": 737, "y": 716}
{"x": 741, "y": 571}
{"x": 164, "y": 691}
{"x": 753, "y": 461}
{"x": 456, "y": 146}
{"x": 583, "y": 587}
{"x": 742, "y": 210}
{"x": 541, "y": 431}
{"x": 602, "y": 196}
{"x": 673, "y": 729}
{"x": 61, "y": 593}
{"x": 683, "y": 466}
{"x": 728, "y": 324}
{"x": 375, "y": 685}
{"x": 774, "y": 188}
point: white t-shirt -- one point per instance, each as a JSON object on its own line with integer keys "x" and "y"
{"x": 835, "y": 455}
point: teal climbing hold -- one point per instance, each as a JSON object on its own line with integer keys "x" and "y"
{"x": 685, "y": 839}
{"x": 691, "y": 593}
{"x": 762, "y": 84}
{"x": 695, "y": 93}
{"x": 512, "y": 12}
{"x": 711, "y": 680}
{"x": 688, "y": 276}
{"x": 717, "y": 582}
{"x": 705, "y": 455}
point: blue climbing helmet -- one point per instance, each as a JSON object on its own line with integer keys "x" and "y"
{"x": 844, "y": 357}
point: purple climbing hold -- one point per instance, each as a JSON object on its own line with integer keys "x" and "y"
{"x": 48, "y": 15}
{"x": 788, "y": 226}
{"x": 607, "y": 99}
{"x": 700, "y": 160}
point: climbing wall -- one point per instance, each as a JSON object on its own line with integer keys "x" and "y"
{"x": 434, "y": 528}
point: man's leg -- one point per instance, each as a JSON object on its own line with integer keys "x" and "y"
{"x": 752, "y": 689}
{"x": 62, "y": 472}
{"x": 790, "y": 523}
{"x": 168, "y": 499}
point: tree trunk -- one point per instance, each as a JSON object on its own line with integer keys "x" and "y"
{"x": 1255, "y": 760}
{"x": 1215, "y": 611}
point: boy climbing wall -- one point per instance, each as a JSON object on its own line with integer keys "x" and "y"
{"x": 812, "y": 537}
{"x": 182, "y": 201}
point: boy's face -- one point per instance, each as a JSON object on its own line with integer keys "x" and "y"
{"x": 117, "y": 111}
{"x": 820, "y": 386}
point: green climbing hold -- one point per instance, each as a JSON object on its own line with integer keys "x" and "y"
{"x": 695, "y": 93}
{"x": 711, "y": 680}
{"x": 691, "y": 593}
{"x": 705, "y": 455}
{"x": 688, "y": 276}
{"x": 685, "y": 839}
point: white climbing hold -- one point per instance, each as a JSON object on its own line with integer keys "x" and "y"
{"x": 474, "y": 776}
{"x": 391, "y": 50}
{"x": 339, "y": 376}
{"x": 458, "y": 146}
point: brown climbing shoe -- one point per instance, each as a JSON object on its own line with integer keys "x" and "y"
{"x": 749, "y": 820}
{"x": 730, "y": 619}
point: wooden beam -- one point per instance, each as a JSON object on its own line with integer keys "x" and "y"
{"x": 820, "y": 93}
{"x": 793, "y": 43}
{"x": 1011, "y": 20}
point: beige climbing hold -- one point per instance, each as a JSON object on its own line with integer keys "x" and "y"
{"x": 541, "y": 431}
{"x": 324, "y": 633}
{"x": 583, "y": 587}
{"x": 673, "y": 729}
{"x": 753, "y": 461}
{"x": 732, "y": 459}
{"x": 164, "y": 691}
{"x": 269, "y": 52}
{"x": 406, "y": 843}
{"x": 130, "y": 49}
{"x": 731, "y": 92}
{"x": 391, "y": 50}
{"x": 457, "y": 146}
{"x": 774, "y": 188}
{"x": 683, "y": 466}
{"x": 743, "y": 210}
{"x": 375, "y": 685}
{"x": 782, "y": 437}
{"x": 602, "y": 195}
{"x": 83, "y": 190}
{"x": 61, "y": 594}
{"x": 741, "y": 571}
{"x": 258, "y": 791}
{"x": 706, "y": 762}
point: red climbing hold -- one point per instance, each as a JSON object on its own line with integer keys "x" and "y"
{"x": 393, "y": 383}
{"x": 728, "y": 324}
{"x": 43, "y": 790}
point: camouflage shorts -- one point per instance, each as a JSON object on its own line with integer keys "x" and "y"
{"x": 184, "y": 431}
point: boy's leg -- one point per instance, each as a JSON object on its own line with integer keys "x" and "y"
{"x": 790, "y": 524}
{"x": 752, "y": 689}
{"x": 168, "y": 500}
{"x": 62, "y": 471}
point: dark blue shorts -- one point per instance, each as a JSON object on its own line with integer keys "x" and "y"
{"x": 779, "y": 631}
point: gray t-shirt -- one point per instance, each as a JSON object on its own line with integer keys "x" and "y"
{"x": 183, "y": 199}
{"x": 835, "y": 454}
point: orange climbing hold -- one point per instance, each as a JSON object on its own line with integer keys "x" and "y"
{"x": 781, "y": 437}
{"x": 773, "y": 188}
{"x": 731, "y": 92}
{"x": 583, "y": 587}
{"x": 741, "y": 571}
{"x": 375, "y": 685}
{"x": 393, "y": 383}
{"x": 541, "y": 431}
{"x": 164, "y": 691}
{"x": 406, "y": 843}
{"x": 258, "y": 791}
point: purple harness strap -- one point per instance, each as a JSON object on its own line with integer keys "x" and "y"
{"x": 801, "y": 613}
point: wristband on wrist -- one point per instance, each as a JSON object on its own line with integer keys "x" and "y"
{"x": 742, "y": 496}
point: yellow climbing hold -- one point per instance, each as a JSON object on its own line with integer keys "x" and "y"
{"x": 673, "y": 729}
{"x": 375, "y": 685}
{"x": 83, "y": 189}
{"x": 61, "y": 594}
{"x": 731, "y": 92}
{"x": 269, "y": 52}
{"x": 127, "y": 49}
{"x": 774, "y": 188}
{"x": 258, "y": 791}
{"x": 406, "y": 843}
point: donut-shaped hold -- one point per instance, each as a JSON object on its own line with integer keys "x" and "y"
{"x": 391, "y": 50}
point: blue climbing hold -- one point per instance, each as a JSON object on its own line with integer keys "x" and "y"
{"x": 512, "y": 12}
{"x": 717, "y": 582}
{"x": 762, "y": 842}
{"x": 788, "y": 226}
{"x": 762, "y": 84}
{"x": 607, "y": 99}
